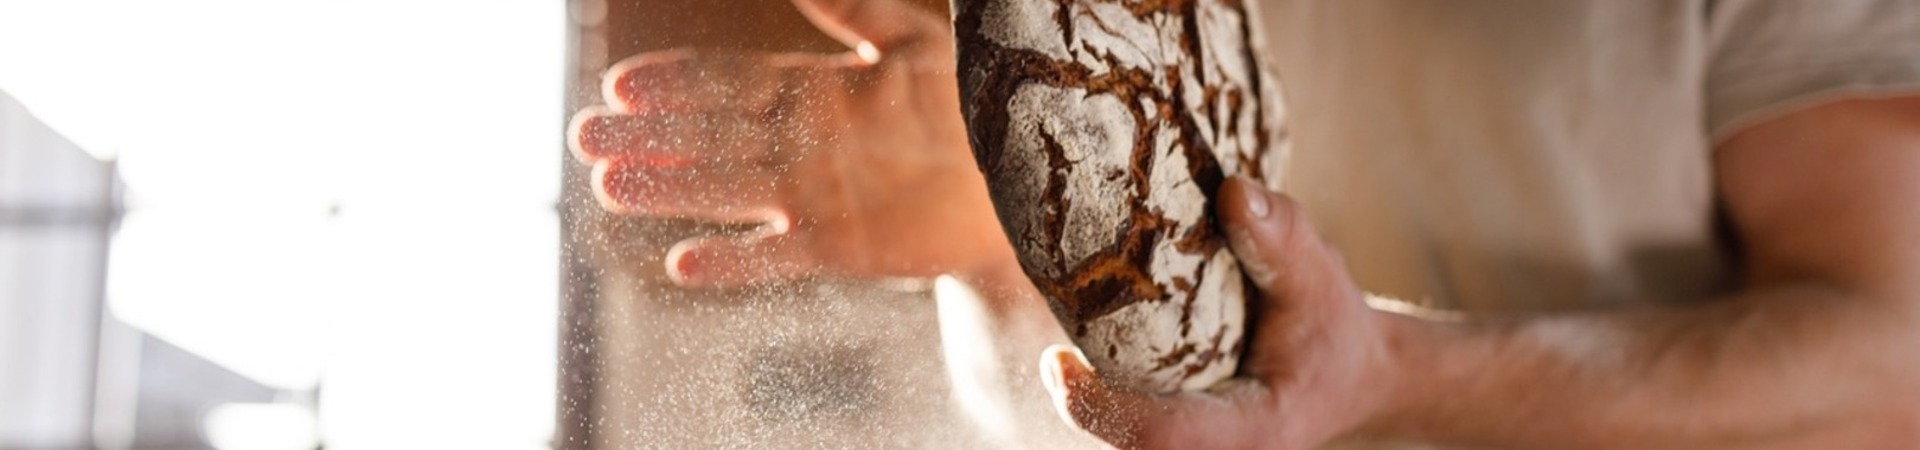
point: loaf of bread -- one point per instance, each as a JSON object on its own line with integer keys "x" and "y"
{"x": 1104, "y": 129}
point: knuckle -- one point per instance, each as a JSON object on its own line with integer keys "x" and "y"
{"x": 1294, "y": 227}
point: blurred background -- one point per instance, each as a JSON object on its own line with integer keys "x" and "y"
{"x": 246, "y": 224}
{"x": 353, "y": 224}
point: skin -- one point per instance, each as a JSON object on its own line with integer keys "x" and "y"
{"x": 1814, "y": 351}
{"x": 856, "y": 164}
{"x": 814, "y": 146}
{"x": 850, "y": 161}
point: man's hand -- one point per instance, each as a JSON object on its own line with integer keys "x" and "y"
{"x": 1815, "y": 350}
{"x": 857, "y": 163}
{"x": 1318, "y": 362}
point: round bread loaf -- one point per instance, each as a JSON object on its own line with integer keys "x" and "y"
{"x": 1104, "y": 128}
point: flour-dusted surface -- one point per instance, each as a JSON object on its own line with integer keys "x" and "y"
{"x": 1104, "y": 127}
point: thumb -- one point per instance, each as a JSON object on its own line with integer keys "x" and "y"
{"x": 877, "y": 28}
{"x": 1276, "y": 244}
{"x": 1132, "y": 420}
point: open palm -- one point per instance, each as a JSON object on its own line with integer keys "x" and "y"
{"x": 857, "y": 162}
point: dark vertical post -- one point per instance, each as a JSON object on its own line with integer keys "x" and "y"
{"x": 586, "y": 56}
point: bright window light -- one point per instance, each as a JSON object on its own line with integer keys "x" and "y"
{"x": 261, "y": 426}
{"x": 356, "y": 195}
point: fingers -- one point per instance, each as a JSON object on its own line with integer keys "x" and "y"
{"x": 1132, "y": 420}
{"x": 880, "y": 27}
{"x": 703, "y": 136}
{"x": 734, "y": 261}
{"x": 1276, "y": 244}
{"x": 675, "y": 107}
{"x": 598, "y": 133}
{"x": 742, "y": 193}
{"x": 682, "y": 80}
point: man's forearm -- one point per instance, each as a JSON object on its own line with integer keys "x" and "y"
{"x": 1819, "y": 351}
{"x": 1801, "y": 366}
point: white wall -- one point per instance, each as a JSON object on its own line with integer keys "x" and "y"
{"x": 54, "y": 200}
{"x": 354, "y": 194}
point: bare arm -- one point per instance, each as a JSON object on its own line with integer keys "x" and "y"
{"x": 1819, "y": 349}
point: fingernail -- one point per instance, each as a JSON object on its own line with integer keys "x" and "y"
{"x": 868, "y": 53}
{"x": 1256, "y": 196}
{"x": 1055, "y": 381}
{"x": 1053, "y": 367}
{"x": 682, "y": 265}
{"x": 643, "y": 90}
{"x": 1081, "y": 359}
{"x": 1050, "y": 374}
{"x": 581, "y": 135}
{"x": 607, "y": 189}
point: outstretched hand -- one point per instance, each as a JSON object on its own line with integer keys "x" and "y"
{"x": 1317, "y": 365}
{"x": 857, "y": 163}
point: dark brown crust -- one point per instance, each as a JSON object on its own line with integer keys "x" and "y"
{"x": 1118, "y": 275}
{"x": 992, "y": 72}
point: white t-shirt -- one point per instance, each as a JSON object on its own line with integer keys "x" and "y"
{"x": 1507, "y": 155}
{"x": 1529, "y": 155}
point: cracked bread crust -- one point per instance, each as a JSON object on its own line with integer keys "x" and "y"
{"x": 1104, "y": 127}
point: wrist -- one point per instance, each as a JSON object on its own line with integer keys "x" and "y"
{"x": 1418, "y": 374}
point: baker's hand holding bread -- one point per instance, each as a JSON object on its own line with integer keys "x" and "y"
{"x": 1318, "y": 361}
{"x": 1786, "y": 319}
{"x": 859, "y": 161}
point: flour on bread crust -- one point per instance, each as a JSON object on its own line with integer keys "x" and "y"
{"x": 1104, "y": 128}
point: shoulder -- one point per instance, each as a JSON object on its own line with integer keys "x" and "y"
{"x": 1768, "y": 58}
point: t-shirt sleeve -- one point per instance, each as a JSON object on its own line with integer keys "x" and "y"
{"x": 1770, "y": 57}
